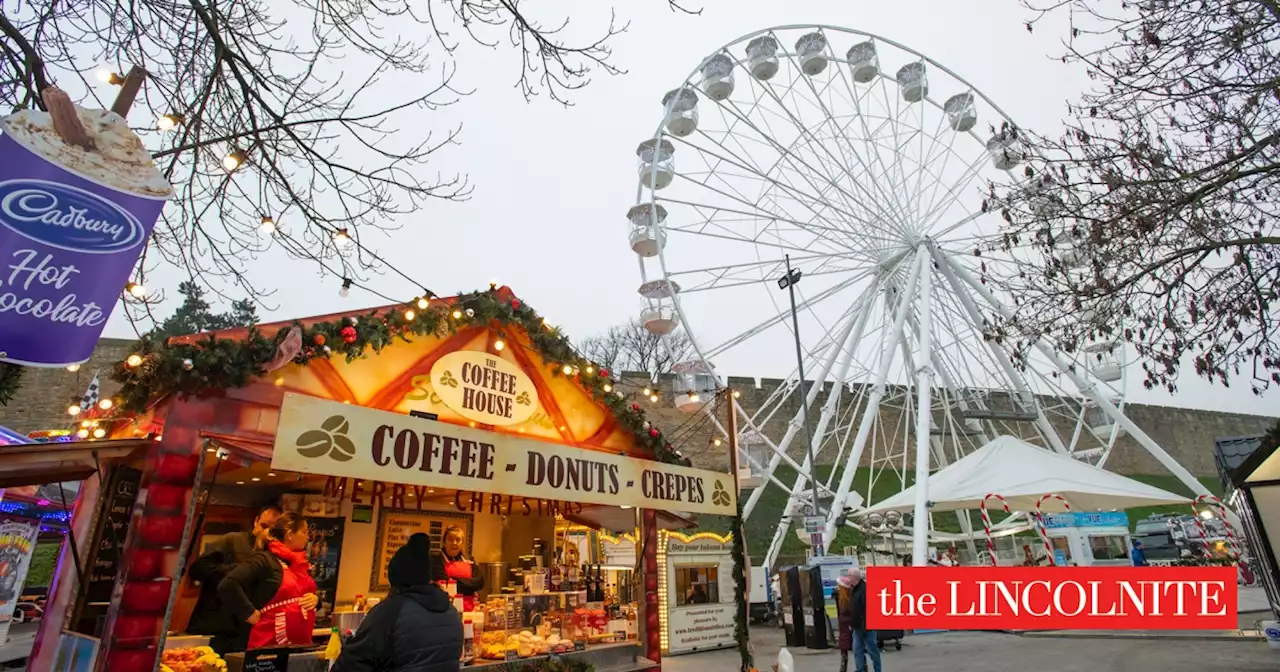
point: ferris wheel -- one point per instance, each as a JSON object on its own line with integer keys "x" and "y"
{"x": 862, "y": 165}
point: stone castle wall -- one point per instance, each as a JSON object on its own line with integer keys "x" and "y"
{"x": 1185, "y": 433}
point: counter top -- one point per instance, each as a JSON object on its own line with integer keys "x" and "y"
{"x": 617, "y": 657}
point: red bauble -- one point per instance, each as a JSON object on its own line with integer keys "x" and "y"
{"x": 654, "y": 433}
{"x": 319, "y": 339}
{"x": 515, "y": 304}
{"x": 604, "y": 373}
{"x": 635, "y": 407}
{"x": 348, "y": 334}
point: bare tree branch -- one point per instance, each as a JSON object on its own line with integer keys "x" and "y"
{"x": 1153, "y": 218}
{"x": 323, "y": 102}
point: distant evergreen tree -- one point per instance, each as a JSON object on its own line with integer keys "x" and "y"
{"x": 196, "y": 315}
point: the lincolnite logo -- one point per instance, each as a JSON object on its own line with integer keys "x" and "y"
{"x": 331, "y": 439}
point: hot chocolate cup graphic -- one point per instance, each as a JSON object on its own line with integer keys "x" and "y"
{"x": 73, "y": 221}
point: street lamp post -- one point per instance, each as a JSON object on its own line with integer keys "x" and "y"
{"x": 789, "y": 282}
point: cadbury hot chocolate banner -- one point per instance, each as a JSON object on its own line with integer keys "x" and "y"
{"x": 73, "y": 222}
{"x": 328, "y": 438}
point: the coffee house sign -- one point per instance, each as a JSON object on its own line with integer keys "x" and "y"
{"x": 480, "y": 387}
{"x": 318, "y": 436}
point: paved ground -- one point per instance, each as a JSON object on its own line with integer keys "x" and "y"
{"x": 998, "y": 652}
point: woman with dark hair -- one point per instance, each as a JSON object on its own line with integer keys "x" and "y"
{"x": 451, "y": 565}
{"x": 273, "y": 590}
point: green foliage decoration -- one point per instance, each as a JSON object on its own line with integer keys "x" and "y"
{"x": 210, "y": 364}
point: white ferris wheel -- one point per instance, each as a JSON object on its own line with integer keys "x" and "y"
{"x": 863, "y": 164}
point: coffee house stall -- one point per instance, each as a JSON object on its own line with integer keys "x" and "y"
{"x": 470, "y": 412}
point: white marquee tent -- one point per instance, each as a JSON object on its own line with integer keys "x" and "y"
{"x": 1022, "y": 473}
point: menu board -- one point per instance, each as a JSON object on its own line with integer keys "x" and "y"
{"x": 104, "y": 557}
{"x": 395, "y": 526}
{"x": 324, "y": 552}
{"x": 124, "y": 485}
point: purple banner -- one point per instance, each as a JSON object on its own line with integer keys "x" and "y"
{"x": 67, "y": 248}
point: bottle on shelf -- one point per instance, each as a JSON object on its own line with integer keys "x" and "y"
{"x": 468, "y": 642}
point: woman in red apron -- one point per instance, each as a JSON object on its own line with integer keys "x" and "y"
{"x": 451, "y": 565}
{"x": 277, "y": 577}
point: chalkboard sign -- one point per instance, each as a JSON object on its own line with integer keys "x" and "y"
{"x": 395, "y": 526}
{"x": 102, "y": 561}
{"x": 118, "y": 512}
{"x": 266, "y": 660}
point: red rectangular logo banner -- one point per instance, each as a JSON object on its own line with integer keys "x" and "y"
{"x": 1051, "y": 598}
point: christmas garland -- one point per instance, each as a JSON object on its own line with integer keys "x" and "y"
{"x": 158, "y": 369}
{"x": 741, "y": 634}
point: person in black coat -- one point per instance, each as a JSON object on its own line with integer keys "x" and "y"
{"x": 221, "y": 555}
{"x": 864, "y": 642}
{"x": 416, "y": 629}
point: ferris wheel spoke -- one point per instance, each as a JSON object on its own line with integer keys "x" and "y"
{"x": 807, "y": 134}
{"x": 732, "y": 274}
{"x": 838, "y": 133}
{"x": 799, "y": 165}
{"x": 954, "y": 192}
{"x": 783, "y": 315}
{"x": 808, "y": 200}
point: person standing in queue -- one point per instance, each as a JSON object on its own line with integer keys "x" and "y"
{"x": 221, "y": 555}
{"x": 273, "y": 591}
{"x": 853, "y": 620}
{"x": 451, "y": 565}
{"x": 416, "y": 629}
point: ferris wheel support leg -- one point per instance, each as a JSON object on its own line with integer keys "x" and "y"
{"x": 828, "y": 411}
{"x": 966, "y": 524}
{"x": 924, "y": 417}
{"x": 1090, "y": 390}
{"x": 949, "y": 271}
{"x": 794, "y": 426}
{"x": 891, "y": 337}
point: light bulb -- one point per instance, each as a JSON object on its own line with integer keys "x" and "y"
{"x": 133, "y": 361}
{"x": 499, "y": 345}
{"x": 135, "y": 290}
{"x": 105, "y": 404}
{"x": 110, "y": 77}
{"x": 73, "y": 368}
{"x": 716, "y": 441}
{"x": 457, "y": 314}
{"x": 233, "y": 160}
{"x": 99, "y": 433}
{"x": 346, "y": 288}
{"x": 591, "y": 369}
{"x": 608, "y": 387}
{"x": 74, "y": 410}
{"x": 84, "y": 433}
{"x": 568, "y": 370}
{"x": 84, "y": 423}
{"x": 654, "y": 398}
{"x": 423, "y": 303}
{"x": 737, "y": 394}
{"x": 648, "y": 392}
{"x": 342, "y": 239}
{"x": 693, "y": 396}
{"x": 169, "y": 121}
{"x": 268, "y": 226}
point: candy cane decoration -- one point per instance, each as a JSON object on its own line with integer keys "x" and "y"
{"x": 1222, "y": 515}
{"x": 1044, "y": 532}
{"x": 986, "y": 522}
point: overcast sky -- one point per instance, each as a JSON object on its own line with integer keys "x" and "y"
{"x": 552, "y": 185}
